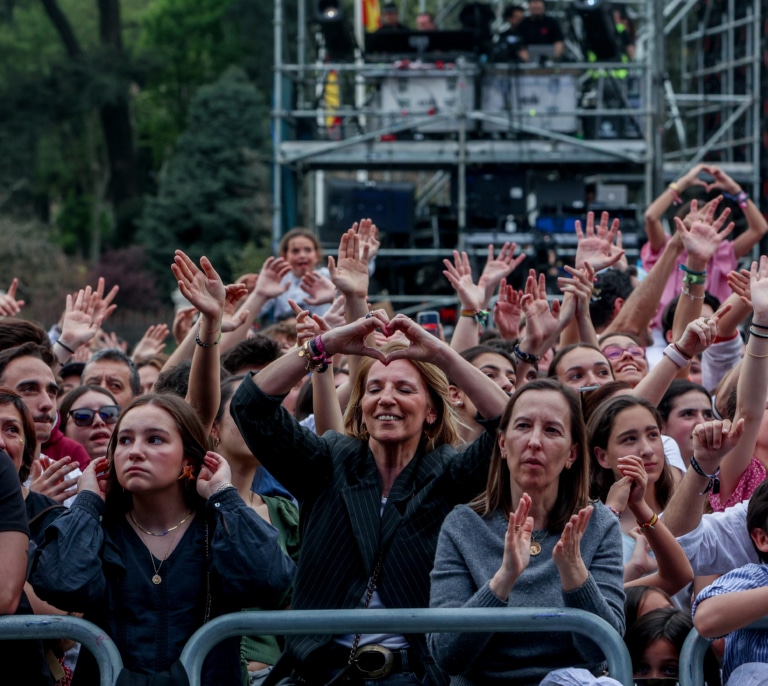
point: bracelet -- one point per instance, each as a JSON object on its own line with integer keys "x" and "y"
{"x": 756, "y": 334}
{"x": 528, "y": 358}
{"x": 687, "y": 291}
{"x": 673, "y": 188}
{"x": 714, "y": 482}
{"x": 676, "y": 356}
{"x": 206, "y": 345}
{"x": 692, "y": 280}
{"x": 319, "y": 357}
{"x": 313, "y": 362}
{"x": 740, "y": 198}
{"x": 758, "y": 326}
{"x": 614, "y": 511}
{"x": 649, "y": 524}
{"x": 226, "y": 484}
{"x": 66, "y": 347}
{"x": 480, "y": 316}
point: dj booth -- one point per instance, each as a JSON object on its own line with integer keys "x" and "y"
{"x": 422, "y": 74}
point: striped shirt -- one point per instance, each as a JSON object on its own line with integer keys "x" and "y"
{"x": 742, "y": 645}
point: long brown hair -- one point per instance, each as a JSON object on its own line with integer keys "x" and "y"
{"x": 573, "y": 486}
{"x": 444, "y": 430}
{"x": 599, "y": 432}
{"x": 193, "y": 437}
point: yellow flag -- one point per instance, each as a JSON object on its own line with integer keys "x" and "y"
{"x": 371, "y": 15}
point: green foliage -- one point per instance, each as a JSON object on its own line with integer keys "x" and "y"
{"x": 209, "y": 196}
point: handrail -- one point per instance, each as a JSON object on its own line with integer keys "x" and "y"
{"x": 64, "y": 626}
{"x": 409, "y": 621}
{"x": 692, "y": 655}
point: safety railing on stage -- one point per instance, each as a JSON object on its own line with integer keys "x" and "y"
{"x": 63, "y": 626}
{"x": 692, "y": 655}
{"x": 416, "y": 621}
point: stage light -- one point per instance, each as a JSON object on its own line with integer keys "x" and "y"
{"x": 599, "y": 35}
{"x": 337, "y": 33}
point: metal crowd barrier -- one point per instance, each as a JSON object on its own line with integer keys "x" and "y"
{"x": 415, "y": 621}
{"x": 692, "y": 655}
{"x": 63, "y": 626}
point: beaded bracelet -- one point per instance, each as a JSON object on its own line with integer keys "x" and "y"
{"x": 714, "y": 481}
{"x": 320, "y": 356}
{"x": 687, "y": 291}
{"x": 614, "y": 511}
{"x": 206, "y": 345}
{"x": 528, "y": 358}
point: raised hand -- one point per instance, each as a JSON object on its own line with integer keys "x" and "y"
{"x": 542, "y": 324}
{"x": 567, "y": 551}
{"x": 459, "y": 275}
{"x": 580, "y": 285}
{"x": 214, "y": 473}
{"x": 758, "y": 287}
{"x": 9, "y": 306}
{"x": 152, "y": 343}
{"x": 369, "y": 239}
{"x": 202, "y": 287}
{"x": 618, "y": 494}
{"x": 507, "y": 311}
{"x": 335, "y": 315}
{"x": 182, "y": 323}
{"x": 105, "y": 340}
{"x": 269, "y": 280}
{"x": 48, "y": 478}
{"x": 307, "y": 325}
{"x": 702, "y": 232}
{"x": 320, "y": 290}
{"x": 350, "y": 339}
{"x": 517, "y": 549}
{"x": 423, "y": 345}
{"x": 739, "y": 283}
{"x": 713, "y": 440}
{"x": 80, "y": 323}
{"x": 103, "y": 306}
{"x": 232, "y": 318}
{"x": 722, "y": 181}
{"x": 631, "y": 467}
{"x": 94, "y": 478}
{"x": 597, "y": 246}
{"x": 498, "y": 268}
{"x": 701, "y": 333}
{"x": 349, "y": 273}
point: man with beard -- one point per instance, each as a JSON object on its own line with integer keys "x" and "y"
{"x": 26, "y": 369}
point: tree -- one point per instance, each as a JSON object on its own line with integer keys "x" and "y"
{"x": 209, "y": 197}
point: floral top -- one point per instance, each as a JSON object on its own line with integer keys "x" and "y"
{"x": 749, "y": 481}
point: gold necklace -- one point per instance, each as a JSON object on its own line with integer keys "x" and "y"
{"x": 156, "y": 578}
{"x": 536, "y": 543}
{"x": 164, "y": 533}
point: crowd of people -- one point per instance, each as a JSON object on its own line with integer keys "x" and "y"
{"x": 604, "y": 450}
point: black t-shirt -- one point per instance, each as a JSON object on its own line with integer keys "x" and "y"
{"x": 24, "y": 659}
{"x": 540, "y": 31}
{"x": 13, "y": 513}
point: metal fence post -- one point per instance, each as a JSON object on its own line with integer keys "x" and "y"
{"x": 63, "y": 626}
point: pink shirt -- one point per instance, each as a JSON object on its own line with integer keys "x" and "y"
{"x": 750, "y": 479}
{"x": 722, "y": 263}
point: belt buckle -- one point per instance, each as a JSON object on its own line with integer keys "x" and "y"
{"x": 380, "y": 652}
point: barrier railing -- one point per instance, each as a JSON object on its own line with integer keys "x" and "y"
{"x": 692, "y": 655}
{"x": 63, "y": 626}
{"x": 415, "y": 621}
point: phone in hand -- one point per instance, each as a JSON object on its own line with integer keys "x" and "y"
{"x": 429, "y": 320}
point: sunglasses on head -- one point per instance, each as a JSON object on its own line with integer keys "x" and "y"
{"x": 614, "y": 352}
{"x": 84, "y": 416}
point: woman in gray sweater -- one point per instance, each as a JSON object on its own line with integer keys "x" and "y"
{"x": 531, "y": 540}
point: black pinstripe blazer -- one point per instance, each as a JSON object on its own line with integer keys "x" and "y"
{"x": 338, "y": 487}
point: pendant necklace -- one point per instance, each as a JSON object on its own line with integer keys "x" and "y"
{"x": 156, "y": 578}
{"x": 536, "y": 543}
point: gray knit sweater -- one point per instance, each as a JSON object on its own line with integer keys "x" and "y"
{"x": 469, "y": 552}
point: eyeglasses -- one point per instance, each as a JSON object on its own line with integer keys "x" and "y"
{"x": 614, "y": 352}
{"x": 84, "y": 416}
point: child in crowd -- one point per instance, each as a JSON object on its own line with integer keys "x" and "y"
{"x": 729, "y": 605}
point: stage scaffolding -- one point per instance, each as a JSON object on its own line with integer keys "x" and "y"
{"x": 695, "y": 96}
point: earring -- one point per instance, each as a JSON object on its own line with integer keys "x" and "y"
{"x": 459, "y": 403}
{"x": 364, "y": 432}
{"x": 216, "y": 442}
